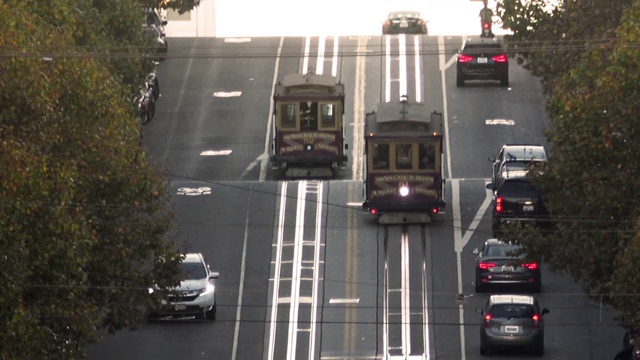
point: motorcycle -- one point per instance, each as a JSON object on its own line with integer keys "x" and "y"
{"x": 486, "y": 30}
{"x": 145, "y": 104}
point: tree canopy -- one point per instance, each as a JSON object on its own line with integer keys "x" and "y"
{"x": 85, "y": 218}
{"x": 585, "y": 53}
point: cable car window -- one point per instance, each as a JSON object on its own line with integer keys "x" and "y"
{"x": 380, "y": 156}
{"x": 288, "y": 115}
{"x": 328, "y": 113}
{"x": 427, "y": 153}
{"x": 404, "y": 160}
{"x": 308, "y": 115}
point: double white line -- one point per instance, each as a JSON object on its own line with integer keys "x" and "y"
{"x": 298, "y": 266}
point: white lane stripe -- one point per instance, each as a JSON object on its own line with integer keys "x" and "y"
{"x": 416, "y": 65}
{"x": 241, "y": 288}
{"x": 387, "y": 88}
{"x": 276, "y": 275}
{"x": 385, "y": 301}
{"x": 402, "y": 88}
{"x": 305, "y": 58}
{"x": 264, "y": 158}
{"x": 296, "y": 271}
{"x": 320, "y": 60}
{"x": 334, "y": 65}
{"x": 405, "y": 295}
{"x": 316, "y": 272}
{"x": 425, "y": 305}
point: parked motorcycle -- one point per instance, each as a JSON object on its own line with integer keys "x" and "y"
{"x": 153, "y": 85}
{"x": 145, "y": 104}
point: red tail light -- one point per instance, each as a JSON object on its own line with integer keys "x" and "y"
{"x": 435, "y": 210}
{"x": 531, "y": 266}
{"x": 465, "y": 58}
{"x": 373, "y": 211}
{"x": 486, "y": 25}
{"x": 487, "y": 320}
{"x": 502, "y": 58}
{"x": 499, "y": 201}
{"x": 536, "y": 321}
{"x": 485, "y": 266}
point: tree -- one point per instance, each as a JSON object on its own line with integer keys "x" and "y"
{"x": 591, "y": 181}
{"x": 85, "y": 217}
{"x": 181, "y": 6}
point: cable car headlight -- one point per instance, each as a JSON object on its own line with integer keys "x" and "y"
{"x": 404, "y": 189}
{"x": 308, "y": 147}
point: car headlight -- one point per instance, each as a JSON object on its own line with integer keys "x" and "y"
{"x": 207, "y": 290}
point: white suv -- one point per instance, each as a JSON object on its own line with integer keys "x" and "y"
{"x": 196, "y": 294}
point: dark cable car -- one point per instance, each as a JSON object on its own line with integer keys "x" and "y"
{"x": 404, "y": 180}
{"x": 308, "y": 122}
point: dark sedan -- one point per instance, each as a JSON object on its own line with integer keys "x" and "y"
{"x": 500, "y": 263}
{"x": 404, "y": 22}
{"x": 482, "y": 59}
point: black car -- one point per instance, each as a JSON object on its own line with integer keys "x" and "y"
{"x": 515, "y": 199}
{"x": 404, "y": 22}
{"x": 513, "y": 321}
{"x": 483, "y": 59}
{"x": 516, "y": 157}
{"x": 501, "y": 263}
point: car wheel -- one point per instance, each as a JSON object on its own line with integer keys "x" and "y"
{"x": 460, "y": 80}
{"x": 211, "y": 314}
{"x": 144, "y": 117}
{"x": 504, "y": 81}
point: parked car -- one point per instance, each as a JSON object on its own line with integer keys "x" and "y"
{"x": 501, "y": 263}
{"x": 404, "y": 22}
{"x": 196, "y": 294}
{"x": 513, "y": 321}
{"x": 630, "y": 351}
{"x": 482, "y": 59}
{"x": 152, "y": 17}
{"x": 516, "y": 157}
{"x": 515, "y": 199}
{"x": 156, "y": 42}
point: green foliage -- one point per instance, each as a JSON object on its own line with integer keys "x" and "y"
{"x": 181, "y": 6}
{"x": 85, "y": 217}
{"x": 591, "y": 183}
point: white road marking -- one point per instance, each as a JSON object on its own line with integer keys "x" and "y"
{"x": 305, "y": 58}
{"x": 357, "y": 150}
{"x": 418, "y": 67}
{"x": 215, "y": 152}
{"x": 344, "y": 301}
{"x": 320, "y": 59}
{"x": 499, "y": 122}
{"x": 402, "y": 66}
{"x": 237, "y": 40}
{"x": 226, "y": 94}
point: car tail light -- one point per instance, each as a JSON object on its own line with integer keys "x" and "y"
{"x": 463, "y": 58}
{"x": 487, "y": 321}
{"x": 502, "y": 58}
{"x": 485, "y": 266}
{"x": 536, "y": 321}
{"x": 486, "y": 25}
{"x": 373, "y": 211}
{"x": 435, "y": 210}
{"x": 499, "y": 201}
{"x": 531, "y": 266}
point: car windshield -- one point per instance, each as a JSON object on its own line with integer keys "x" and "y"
{"x": 510, "y": 311}
{"x": 400, "y": 15}
{"x": 518, "y": 188}
{"x": 193, "y": 271}
{"x": 502, "y": 250}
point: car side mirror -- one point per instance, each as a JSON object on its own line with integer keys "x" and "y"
{"x": 480, "y": 311}
{"x": 476, "y": 251}
{"x": 490, "y": 186}
{"x": 492, "y": 159}
{"x": 214, "y": 275}
{"x": 544, "y": 311}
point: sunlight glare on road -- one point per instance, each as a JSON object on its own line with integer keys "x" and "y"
{"x": 236, "y": 18}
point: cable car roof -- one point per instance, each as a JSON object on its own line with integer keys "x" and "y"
{"x": 411, "y": 119}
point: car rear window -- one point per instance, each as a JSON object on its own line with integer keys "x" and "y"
{"x": 511, "y": 311}
{"x": 502, "y": 250}
{"x": 518, "y": 188}
{"x": 483, "y": 47}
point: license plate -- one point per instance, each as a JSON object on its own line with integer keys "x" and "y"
{"x": 527, "y": 208}
{"x": 179, "y": 307}
{"x": 511, "y": 329}
{"x": 482, "y": 60}
{"x": 506, "y": 268}
{"x": 404, "y": 24}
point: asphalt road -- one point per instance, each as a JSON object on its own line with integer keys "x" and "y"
{"x": 304, "y": 273}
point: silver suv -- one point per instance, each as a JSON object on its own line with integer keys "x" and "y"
{"x": 196, "y": 294}
{"x": 516, "y": 157}
{"x": 512, "y": 321}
